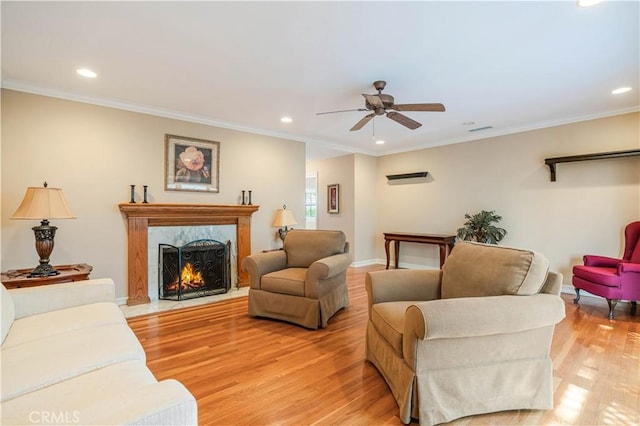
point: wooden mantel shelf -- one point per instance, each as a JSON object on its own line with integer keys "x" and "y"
{"x": 141, "y": 216}
{"x": 551, "y": 162}
{"x": 195, "y": 213}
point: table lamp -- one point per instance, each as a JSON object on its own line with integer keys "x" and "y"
{"x": 284, "y": 218}
{"x": 43, "y": 204}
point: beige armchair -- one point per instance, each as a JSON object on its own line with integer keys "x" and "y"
{"x": 305, "y": 283}
{"x": 472, "y": 338}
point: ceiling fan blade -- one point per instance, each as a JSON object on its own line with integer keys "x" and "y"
{"x": 374, "y": 100}
{"x": 419, "y": 107}
{"x": 404, "y": 120}
{"x": 342, "y": 110}
{"x": 360, "y": 124}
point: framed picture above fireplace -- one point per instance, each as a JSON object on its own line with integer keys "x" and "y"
{"x": 191, "y": 164}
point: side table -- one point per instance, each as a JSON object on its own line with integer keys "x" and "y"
{"x": 18, "y": 278}
{"x": 445, "y": 242}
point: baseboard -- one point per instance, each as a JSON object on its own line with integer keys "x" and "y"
{"x": 364, "y": 263}
{"x": 569, "y": 289}
{"x": 402, "y": 265}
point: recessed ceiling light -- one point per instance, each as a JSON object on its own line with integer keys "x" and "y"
{"x": 379, "y": 142}
{"x": 468, "y": 123}
{"x": 286, "y": 119}
{"x": 86, "y": 73}
{"x": 620, "y": 90}
{"x": 588, "y": 3}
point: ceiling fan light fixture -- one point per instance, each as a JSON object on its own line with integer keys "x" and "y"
{"x": 286, "y": 119}
{"x": 379, "y": 142}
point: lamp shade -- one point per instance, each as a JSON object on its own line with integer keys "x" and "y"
{"x": 43, "y": 203}
{"x": 284, "y": 217}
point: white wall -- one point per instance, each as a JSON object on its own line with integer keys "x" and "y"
{"x": 367, "y": 206}
{"x": 94, "y": 153}
{"x": 584, "y": 211}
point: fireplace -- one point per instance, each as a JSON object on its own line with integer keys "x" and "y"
{"x": 142, "y": 216}
{"x": 196, "y": 269}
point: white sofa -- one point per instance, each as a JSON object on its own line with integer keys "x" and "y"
{"x": 69, "y": 357}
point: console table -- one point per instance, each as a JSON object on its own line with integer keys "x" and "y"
{"x": 445, "y": 242}
{"x": 18, "y": 278}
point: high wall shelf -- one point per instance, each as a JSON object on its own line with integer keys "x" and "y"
{"x": 408, "y": 175}
{"x": 551, "y": 162}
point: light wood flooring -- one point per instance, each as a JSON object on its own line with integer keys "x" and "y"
{"x": 248, "y": 371}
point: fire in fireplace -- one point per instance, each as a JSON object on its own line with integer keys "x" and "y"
{"x": 196, "y": 269}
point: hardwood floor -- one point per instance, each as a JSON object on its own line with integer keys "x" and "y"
{"x": 248, "y": 371}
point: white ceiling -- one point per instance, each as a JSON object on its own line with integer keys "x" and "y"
{"x": 514, "y": 66}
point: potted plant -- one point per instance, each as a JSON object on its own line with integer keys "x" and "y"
{"x": 480, "y": 228}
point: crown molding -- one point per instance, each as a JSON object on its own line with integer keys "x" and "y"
{"x": 176, "y": 115}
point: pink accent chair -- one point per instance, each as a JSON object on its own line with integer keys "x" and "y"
{"x": 611, "y": 278}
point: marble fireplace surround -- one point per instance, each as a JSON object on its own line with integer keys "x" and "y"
{"x": 141, "y": 216}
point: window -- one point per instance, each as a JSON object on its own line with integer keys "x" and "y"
{"x": 311, "y": 202}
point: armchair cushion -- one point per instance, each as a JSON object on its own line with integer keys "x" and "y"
{"x": 286, "y": 281}
{"x": 388, "y": 319}
{"x": 504, "y": 271}
{"x": 303, "y": 248}
{"x": 604, "y": 276}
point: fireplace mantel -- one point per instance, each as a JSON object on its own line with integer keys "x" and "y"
{"x": 141, "y": 216}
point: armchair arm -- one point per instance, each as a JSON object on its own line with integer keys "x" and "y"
{"x": 628, "y": 267}
{"x": 393, "y": 285}
{"x": 478, "y": 316}
{"x": 324, "y": 269}
{"x": 553, "y": 284}
{"x": 482, "y": 316}
{"x": 263, "y": 263}
{"x": 600, "y": 261}
{"x": 40, "y": 299}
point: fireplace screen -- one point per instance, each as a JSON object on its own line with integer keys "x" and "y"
{"x": 196, "y": 269}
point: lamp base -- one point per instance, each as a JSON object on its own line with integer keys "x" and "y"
{"x": 43, "y": 270}
{"x": 283, "y": 233}
{"x": 45, "y": 234}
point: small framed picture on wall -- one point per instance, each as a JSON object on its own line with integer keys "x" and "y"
{"x": 333, "y": 198}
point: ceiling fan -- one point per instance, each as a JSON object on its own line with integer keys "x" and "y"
{"x": 381, "y": 102}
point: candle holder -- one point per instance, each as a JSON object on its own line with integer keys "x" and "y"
{"x": 250, "y": 198}
{"x": 133, "y": 194}
{"x": 145, "y": 194}
{"x": 243, "y": 203}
